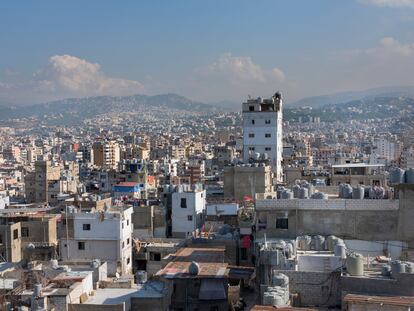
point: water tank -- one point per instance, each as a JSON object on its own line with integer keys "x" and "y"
{"x": 347, "y": 191}
{"x": 409, "y": 176}
{"x": 287, "y": 194}
{"x": 311, "y": 189}
{"x": 341, "y": 191}
{"x": 318, "y": 242}
{"x": 194, "y": 268}
{"x": 37, "y": 290}
{"x": 355, "y": 265}
{"x": 340, "y": 250}
{"x": 376, "y": 192}
{"x": 358, "y": 193}
{"x": 279, "y": 279}
{"x": 279, "y": 192}
{"x": 54, "y": 263}
{"x": 296, "y": 189}
{"x": 95, "y": 263}
{"x": 386, "y": 270}
{"x": 397, "y": 176}
{"x": 330, "y": 243}
{"x": 397, "y": 267}
{"x": 303, "y": 193}
{"x": 290, "y": 249}
{"x": 304, "y": 242}
{"x": 319, "y": 196}
{"x": 140, "y": 276}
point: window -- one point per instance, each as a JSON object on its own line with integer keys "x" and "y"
{"x": 251, "y": 108}
{"x": 1, "y": 239}
{"x": 81, "y": 245}
{"x": 123, "y": 244}
{"x": 183, "y": 203}
{"x": 128, "y": 241}
{"x": 190, "y": 218}
{"x": 15, "y": 234}
{"x": 25, "y": 232}
{"x": 243, "y": 253}
{"x": 267, "y": 135}
{"x": 282, "y": 223}
{"x": 127, "y": 222}
{"x": 128, "y": 260}
{"x": 251, "y": 148}
{"x": 122, "y": 225}
{"x": 251, "y": 135}
{"x": 267, "y": 121}
{"x": 155, "y": 256}
{"x": 252, "y": 121}
{"x": 268, "y": 148}
{"x": 86, "y": 227}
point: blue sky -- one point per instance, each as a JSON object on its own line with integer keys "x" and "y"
{"x": 206, "y": 50}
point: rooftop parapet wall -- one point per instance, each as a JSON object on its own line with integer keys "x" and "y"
{"x": 330, "y": 204}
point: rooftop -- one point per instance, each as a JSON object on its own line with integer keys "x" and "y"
{"x": 382, "y": 300}
{"x": 356, "y": 165}
{"x": 113, "y": 296}
{"x": 210, "y": 261}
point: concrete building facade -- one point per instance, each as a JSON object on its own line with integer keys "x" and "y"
{"x": 262, "y": 130}
{"x": 104, "y": 235}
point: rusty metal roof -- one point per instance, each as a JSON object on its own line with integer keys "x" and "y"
{"x": 210, "y": 260}
{"x": 388, "y": 300}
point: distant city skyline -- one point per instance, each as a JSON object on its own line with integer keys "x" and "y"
{"x": 206, "y": 50}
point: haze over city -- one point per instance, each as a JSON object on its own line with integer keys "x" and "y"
{"x": 209, "y": 51}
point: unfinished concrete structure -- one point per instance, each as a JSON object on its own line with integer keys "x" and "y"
{"x": 247, "y": 180}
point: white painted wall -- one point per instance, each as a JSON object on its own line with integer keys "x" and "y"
{"x": 195, "y": 208}
{"x": 109, "y": 239}
{"x": 260, "y": 142}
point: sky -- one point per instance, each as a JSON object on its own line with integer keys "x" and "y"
{"x": 209, "y": 51}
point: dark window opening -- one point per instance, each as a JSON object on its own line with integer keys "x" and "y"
{"x": 282, "y": 223}
{"x": 155, "y": 256}
{"x": 86, "y": 227}
{"x": 183, "y": 203}
{"x": 81, "y": 245}
{"x": 25, "y": 232}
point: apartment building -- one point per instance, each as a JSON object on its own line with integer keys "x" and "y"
{"x": 262, "y": 131}
{"x": 104, "y": 235}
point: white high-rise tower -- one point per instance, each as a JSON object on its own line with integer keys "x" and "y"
{"x": 262, "y": 131}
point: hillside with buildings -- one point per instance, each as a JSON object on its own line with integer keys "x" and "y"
{"x": 75, "y": 110}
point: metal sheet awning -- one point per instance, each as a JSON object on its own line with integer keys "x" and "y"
{"x": 211, "y": 289}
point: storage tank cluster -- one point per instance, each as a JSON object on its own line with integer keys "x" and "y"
{"x": 399, "y": 176}
{"x": 361, "y": 192}
{"x": 301, "y": 190}
{"x": 276, "y": 253}
{"x": 278, "y": 293}
{"x": 320, "y": 243}
{"x": 397, "y": 267}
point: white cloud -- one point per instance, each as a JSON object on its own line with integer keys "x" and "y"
{"x": 390, "y": 3}
{"x": 234, "y": 77}
{"x": 240, "y": 69}
{"x": 389, "y": 63}
{"x": 67, "y": 76}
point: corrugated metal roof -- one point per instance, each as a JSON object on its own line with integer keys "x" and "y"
{"x": 388, "y": 300}
{"x": 210, "y": 261}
